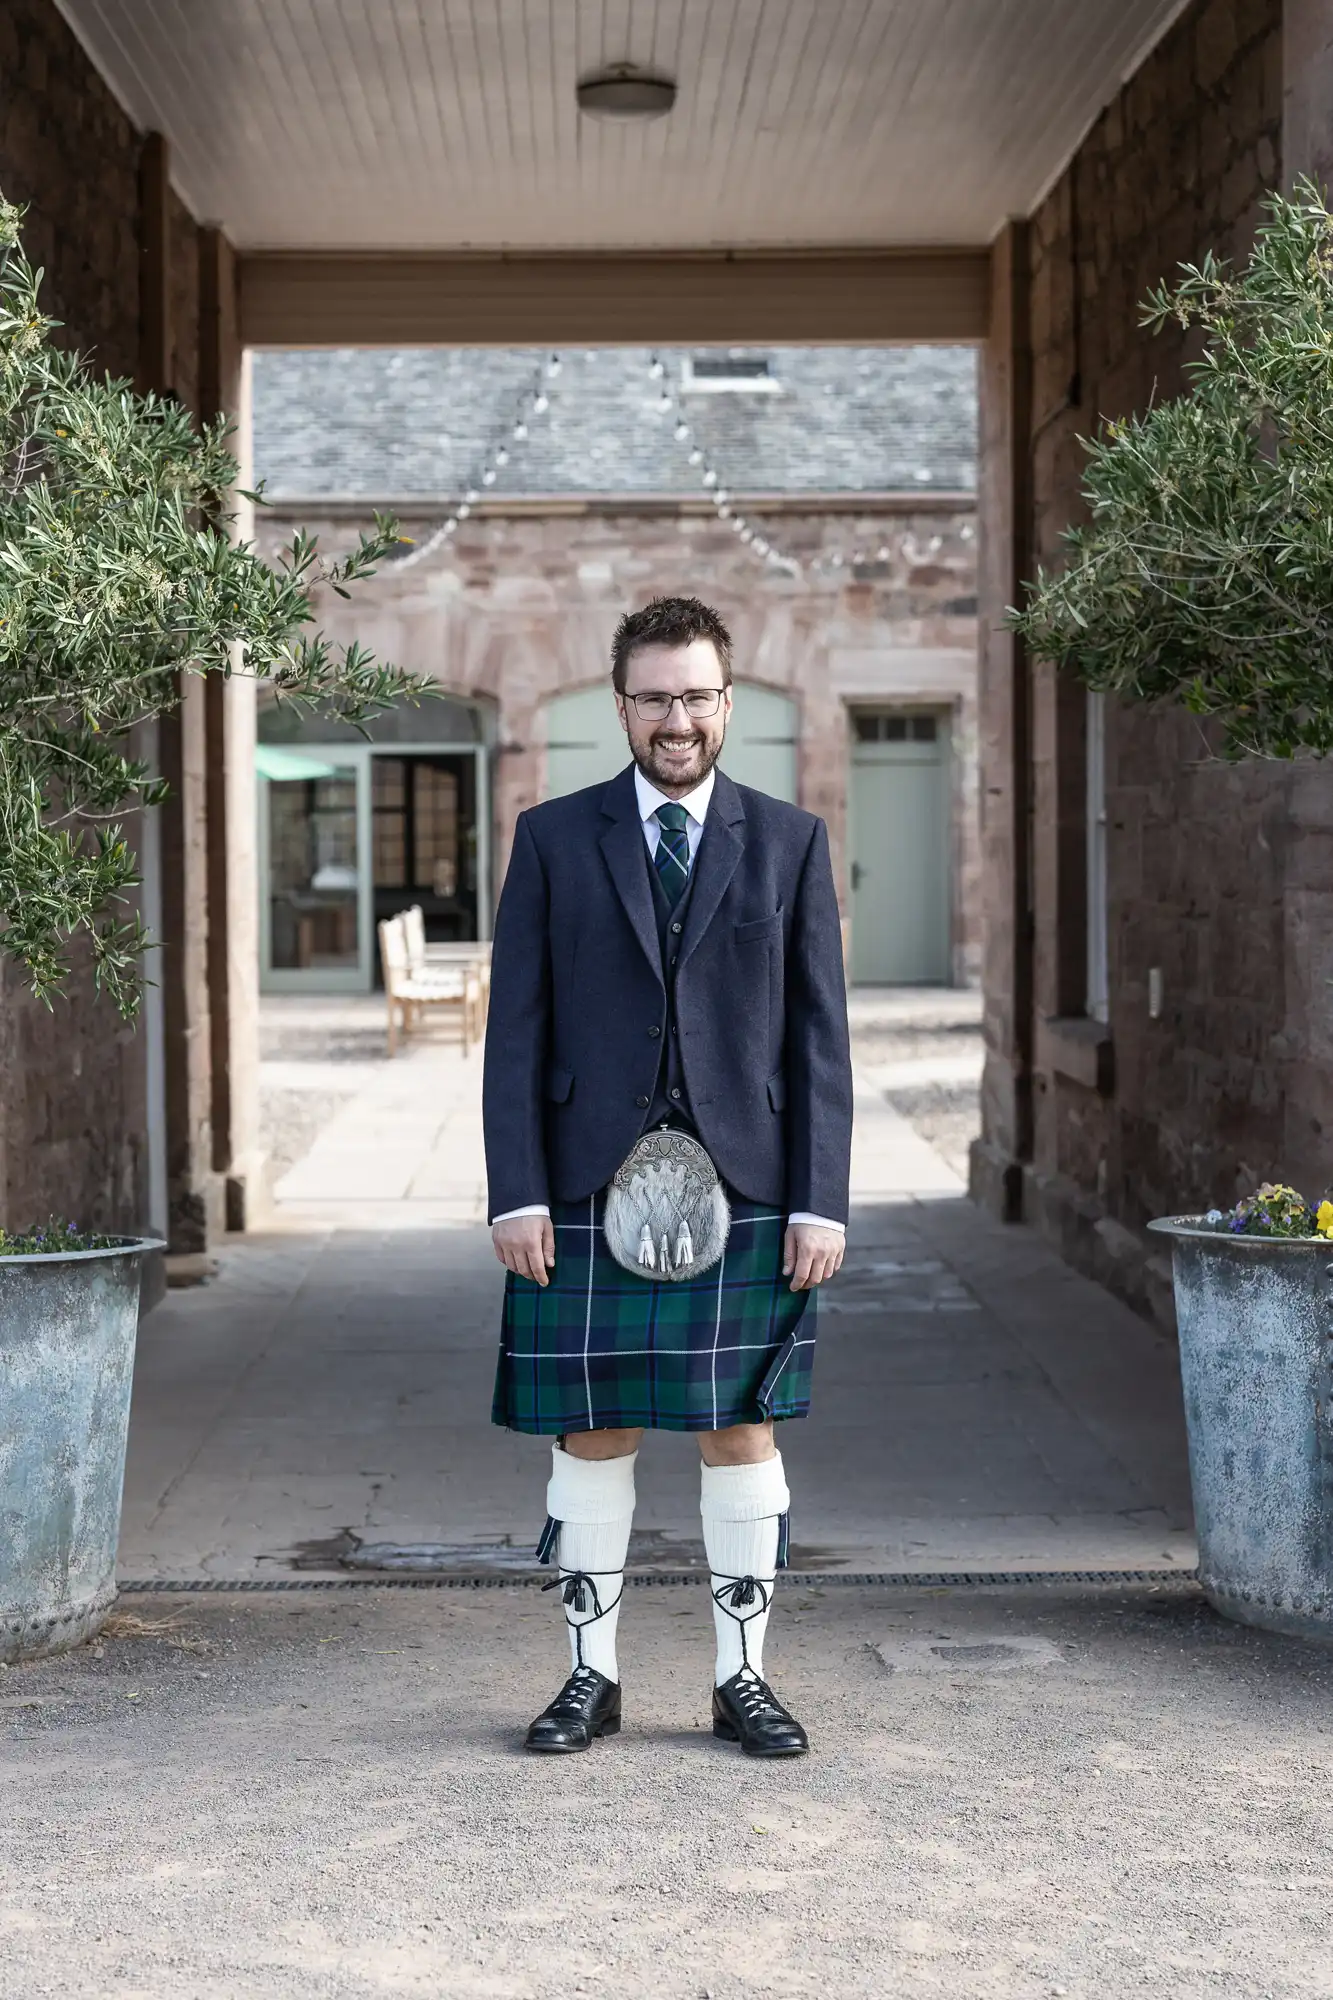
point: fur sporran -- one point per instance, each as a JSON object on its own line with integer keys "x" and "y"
{"x": 667, "y": 1215}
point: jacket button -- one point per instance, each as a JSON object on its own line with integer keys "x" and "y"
{"x": 677, "y": 928}
{"x": 654, "y": 1032}
{"x": 642, "y": 1103}
{"x": 675, "y": 1093}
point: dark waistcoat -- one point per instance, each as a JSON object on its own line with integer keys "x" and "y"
{"x": 670, "y": 1097}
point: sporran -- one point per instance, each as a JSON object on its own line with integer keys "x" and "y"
{"x": 667, "y": 1215}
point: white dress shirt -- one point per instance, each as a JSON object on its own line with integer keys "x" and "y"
{"x": 696, "y": 805}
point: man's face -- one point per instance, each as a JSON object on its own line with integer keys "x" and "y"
{"x": 675, "y": 751}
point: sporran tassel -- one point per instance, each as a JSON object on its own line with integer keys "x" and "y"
{"x": 684, "y": 1247}
{"x": 647, "y": 1254}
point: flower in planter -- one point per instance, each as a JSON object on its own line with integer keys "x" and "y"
{"x": 53, "y": 1239}
{"x": 1276, "y": 1210}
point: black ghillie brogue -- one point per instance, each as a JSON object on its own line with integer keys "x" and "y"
{"x": 746, "y": 1711}
{"x": 588, "y": 1705}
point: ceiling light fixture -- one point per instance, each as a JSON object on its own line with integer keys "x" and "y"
{"x": 625, "y": 91}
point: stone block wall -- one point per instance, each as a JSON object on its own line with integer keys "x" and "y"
{"x": 73, "y": 1096}
{"x": 1215, "y": 874}
{"x": 72, "y": 1101}
{"x": 522, "y": 606}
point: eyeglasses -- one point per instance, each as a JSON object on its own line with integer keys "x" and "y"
{"x": 697, "y": 702}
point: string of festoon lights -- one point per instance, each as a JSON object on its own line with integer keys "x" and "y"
{"x": 532, "y": 405}
{"x": 719, "y": 494}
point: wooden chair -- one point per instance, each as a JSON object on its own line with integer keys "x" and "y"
{"x": 425, "y": 960}
{"x": 455, "y": 988}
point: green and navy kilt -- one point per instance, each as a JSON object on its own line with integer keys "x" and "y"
{"x": 600, "y": 1349}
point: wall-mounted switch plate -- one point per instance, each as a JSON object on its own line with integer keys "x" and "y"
{"x": 1155, "y": 993}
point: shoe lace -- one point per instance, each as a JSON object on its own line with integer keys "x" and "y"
{"x": 576, "y": 1586}
{"x": 755, "y": 1696}
{"x": 574, "y": 1694}
{"x": 743, "y": 1598}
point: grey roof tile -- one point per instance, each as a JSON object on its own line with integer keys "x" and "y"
{"x": 395, "y": 424}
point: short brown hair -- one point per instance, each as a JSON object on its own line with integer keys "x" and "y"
{"x": 669, "y": 621}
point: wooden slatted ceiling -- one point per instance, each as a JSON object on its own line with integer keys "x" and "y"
{"x": 452, "y": 124}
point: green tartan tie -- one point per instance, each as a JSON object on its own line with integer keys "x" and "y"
{"x": 672, "y": 858}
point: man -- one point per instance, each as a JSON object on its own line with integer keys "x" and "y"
{"x": 667, "y": 970}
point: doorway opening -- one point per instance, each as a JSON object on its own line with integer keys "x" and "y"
{"x": 900, "y": 826}
{"x": 355, "y": 826}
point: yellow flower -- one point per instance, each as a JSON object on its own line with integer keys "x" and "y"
{"x": 1324, "y": 1218}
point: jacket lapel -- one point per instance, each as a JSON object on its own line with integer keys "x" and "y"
{"x": 623, "y": 845}
{"x": 719, "y": 856}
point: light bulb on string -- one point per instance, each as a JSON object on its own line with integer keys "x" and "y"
{"x": 696, "y": 456}
{"x": 553, "y": 367}
{"x": 488, "y": 477}
{"x": 710, "y": 477}
{"x": 471, "y": 495}
{"x": 722, "y": 494}
{"x": 540, "y": 405}
{"x": 464, "y": 510}
{"x": 723, "y": 511}
{"x": 502, "y": 456}
{"x": 657, "y": 368}
{"x": 664, "y": 404}
{"x": 881, "y": 555}
{"x": 451, "y": 525}
{"x": 520, "y": 431}
{"x": 681, "y": 431}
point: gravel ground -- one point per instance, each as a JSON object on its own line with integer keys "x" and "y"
{"x": 315, "y": 1056}
{"x": 944, "y": 1109}
{"x": 1014, "y": 1792}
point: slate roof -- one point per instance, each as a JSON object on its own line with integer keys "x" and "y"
{"x": 395, "y": 424}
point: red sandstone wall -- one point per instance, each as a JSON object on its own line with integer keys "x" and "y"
{"x": 523, "y": 607}
{"x": 1200, "y": 855}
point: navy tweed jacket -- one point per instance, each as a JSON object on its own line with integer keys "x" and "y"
{"x": 579, "y": 1003}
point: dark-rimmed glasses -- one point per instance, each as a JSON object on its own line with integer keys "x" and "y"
{"x": 697, "y": 702}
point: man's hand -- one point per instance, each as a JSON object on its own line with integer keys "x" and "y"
{"x": 525, "y": 1245}
{"x": 810, "y": 1254}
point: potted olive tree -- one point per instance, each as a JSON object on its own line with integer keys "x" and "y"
{"x": 1204, "y": 576}
{"x": 118, "y": 574}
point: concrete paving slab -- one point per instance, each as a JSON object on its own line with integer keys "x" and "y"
{"x": 975, "y": 1401}
{"x": 1012, "y": 1793}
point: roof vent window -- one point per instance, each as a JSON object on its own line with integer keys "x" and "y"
{"x": 734, "y": 374}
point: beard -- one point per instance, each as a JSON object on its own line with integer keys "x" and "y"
{"x": 667, "y": 773}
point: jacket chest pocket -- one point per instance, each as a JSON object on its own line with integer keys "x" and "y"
{"x": 760, "y": 930}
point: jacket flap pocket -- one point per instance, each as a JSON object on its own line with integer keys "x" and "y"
{"x": 777, "y": 1091}
{"x": 760, "y": 927}
{"x": 559, "y": 1083}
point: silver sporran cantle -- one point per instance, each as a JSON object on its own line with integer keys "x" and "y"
{"x": 667, "y": 1215}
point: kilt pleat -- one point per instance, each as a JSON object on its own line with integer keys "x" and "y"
{"x": 600, "y": 1349}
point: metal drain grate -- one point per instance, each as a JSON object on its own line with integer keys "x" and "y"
{"x": 1051, "y": 1579}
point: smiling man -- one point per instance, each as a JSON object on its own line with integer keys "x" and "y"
{"x": 668, "y": 1116}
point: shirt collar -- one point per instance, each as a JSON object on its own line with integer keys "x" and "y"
{"x": 695, "y": 802}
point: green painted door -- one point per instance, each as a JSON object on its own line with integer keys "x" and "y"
{"x": 585, "y": 743}
{"x": 899, "y": 849}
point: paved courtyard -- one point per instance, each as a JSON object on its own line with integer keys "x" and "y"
{"x": 308, "y": 1783}
{"x": 977, "y": 1404}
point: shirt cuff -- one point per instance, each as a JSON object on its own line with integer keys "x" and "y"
{"x": 536, "y": 1208}
{"x": 824, "y": 1221}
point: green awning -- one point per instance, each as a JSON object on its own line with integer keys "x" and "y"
{"x": 273, "y": 760}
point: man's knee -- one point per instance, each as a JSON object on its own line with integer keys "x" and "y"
{"x": 738, "y": 1444}
{"x": 601, "y": 1444}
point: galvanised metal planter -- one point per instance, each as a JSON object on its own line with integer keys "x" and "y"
{"x": 67, "y": 1334}
{"x": 1256, "y": 1357}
